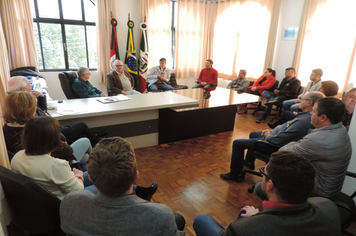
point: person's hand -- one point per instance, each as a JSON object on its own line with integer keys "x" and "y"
{"x": 103, "y": 95}
{"x": 253, "y": 89}
{"x": 78, "y": 174}
{"x": 37, "y": 94}
{"x": 162, "y": 77}
{"x": 250, "y": 211}
{"x": 265, "y": 133}
{"x": 203, "y": 83}
{"x": 276, "y": 91}
{"x": 298, "y": 100}
{"x": 124, "y": 93}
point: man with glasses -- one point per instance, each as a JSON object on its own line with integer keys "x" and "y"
{"x": 293, "y": 130}
{"x": 120, "y": 81}
{"x": 287, "y": 181}
{"x": 83, "y": 88}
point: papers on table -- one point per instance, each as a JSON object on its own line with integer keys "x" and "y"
{"x": 117, "y": 98}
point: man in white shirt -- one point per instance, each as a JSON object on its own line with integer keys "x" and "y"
{"x": 158, "y": 77}
{"x": 120, "y": 81}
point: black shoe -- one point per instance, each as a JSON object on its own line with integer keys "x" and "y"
{"x": 260, "y": 121}
{"x": 249, "y": 165}
{"x": 147, "y": 193}
{"x": 229, "y": 176}
{"x": 272, "y": 126}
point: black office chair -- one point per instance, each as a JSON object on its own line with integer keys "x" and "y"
{"x": 67, "y": 78}
{"x": 33, "y": 209}
{"x": 173, "y": 82}
{"x": 262, "y": 150}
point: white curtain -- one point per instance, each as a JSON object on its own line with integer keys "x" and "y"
{"x": 159, "y": 31}
{"x": 105, "y": 9}
{"x": 18, "y": 31}
{"x": 329, "y": 42}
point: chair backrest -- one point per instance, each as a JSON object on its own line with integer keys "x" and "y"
{"x": 67, "y": 78}
{"x": 33, "y": 208}
{"x": 275, "y": 86}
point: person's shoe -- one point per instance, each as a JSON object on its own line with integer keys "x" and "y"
{"x": 272, "y": 126}
{"x": 147, "y": 193}
{"x": 260, "y": 121}
{"x": 229, "y": 176}
{"x": 272, "y": 102}
{"x": 249, "y": 165}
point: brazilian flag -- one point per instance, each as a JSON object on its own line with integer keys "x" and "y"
{"x": 130, "y": 58}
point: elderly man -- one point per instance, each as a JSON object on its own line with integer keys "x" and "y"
{"x": 292, "y": 130}
{"x": 72, "y": 132}
{"x": 313, "y": 85}
{"x": 208, "y": 76}
{"x": 159, "y": 76}
{"x": 115, "y": 210}
{"x": 83, "y": 88}
{"x": 239, "y": 83}
{"x": 120, "y": 81}
{"x": 287, "y": 181}
{"x": 349, "y": 99}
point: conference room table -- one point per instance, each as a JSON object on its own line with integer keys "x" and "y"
{"x": 156, "y": 118}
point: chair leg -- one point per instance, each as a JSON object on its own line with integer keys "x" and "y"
{"x": 250, "y": 190}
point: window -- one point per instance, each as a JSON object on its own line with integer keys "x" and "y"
{"x": 174, "y": 11}
{"x": 65, "y": 34}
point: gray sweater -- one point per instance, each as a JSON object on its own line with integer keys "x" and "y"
{"x": 318, "y": 216}
{"x": 329, "y": 151}
{"x": 84, "y": 213}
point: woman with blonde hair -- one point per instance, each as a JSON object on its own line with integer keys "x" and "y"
{"x": 20, "y": 107}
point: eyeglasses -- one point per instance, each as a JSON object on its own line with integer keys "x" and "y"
{"x": 262, "y": 171}
{"x": 88, "y": 73}
{"x": 118, "y": 65}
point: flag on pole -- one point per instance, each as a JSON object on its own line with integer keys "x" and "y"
{"x": 130, "y": 58}
{"x": 143, "y": 62}
{"x": 114, "y": 49}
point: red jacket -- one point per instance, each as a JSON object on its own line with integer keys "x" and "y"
{"x": 267, "y": 84}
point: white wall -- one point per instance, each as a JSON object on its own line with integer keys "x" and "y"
{"x": 123, "y": 7}
{"x": 290, "y": 15}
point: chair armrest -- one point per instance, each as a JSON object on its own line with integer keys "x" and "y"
{"x": 348, "y": 173}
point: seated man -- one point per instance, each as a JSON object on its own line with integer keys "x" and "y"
{"x": 281, "y": 135}
{"x": 120, "y": 81}
{"x": 240, "y": 83}
{"x": 327, "y": 147}
{"x": 115, "y": 210}
{"x": 208, "y": 76}
{"x": 287, "y": 181}
{"x": 313, "y": 85}
{"x": 288, "y": 89}
{"x": 349, "y": 99}
{"x": 72, "y": 132}
{"x": 83, "y": 88}
{"x": 159, "y": 76}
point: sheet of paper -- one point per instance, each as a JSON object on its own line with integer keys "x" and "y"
{"x": 122, "y": 97}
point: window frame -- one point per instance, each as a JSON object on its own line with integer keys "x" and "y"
{"x": 62, "y": 23}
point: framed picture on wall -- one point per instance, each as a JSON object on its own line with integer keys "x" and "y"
{"x": 290, "y": 33}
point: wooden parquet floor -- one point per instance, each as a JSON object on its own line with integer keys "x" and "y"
{"x": 187, "y": 173}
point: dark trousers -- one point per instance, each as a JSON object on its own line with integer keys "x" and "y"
{"x": 180, "y": 221}
{"x": 76, "y": 131}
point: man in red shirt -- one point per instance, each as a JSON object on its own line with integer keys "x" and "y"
{"x": 208, "y": 76}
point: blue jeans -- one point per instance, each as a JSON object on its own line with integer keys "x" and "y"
{"x": 205, "y": 225}
{"x": 81, "y": 150}
{"x": 88, "y": 185}
{"x": 154, "y": 87}
{"x": 268, "y": 109}
{"x": 238, "y": 151}
{"x": 287, "y": 104}
{"x": 198, "y": 85}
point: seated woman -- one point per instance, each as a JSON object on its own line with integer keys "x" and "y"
{"x": 329, "y": 88}
{"x": 40, "y": 137}
{"x": 18, "y": 109}
{"x": 265, "y": 82}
